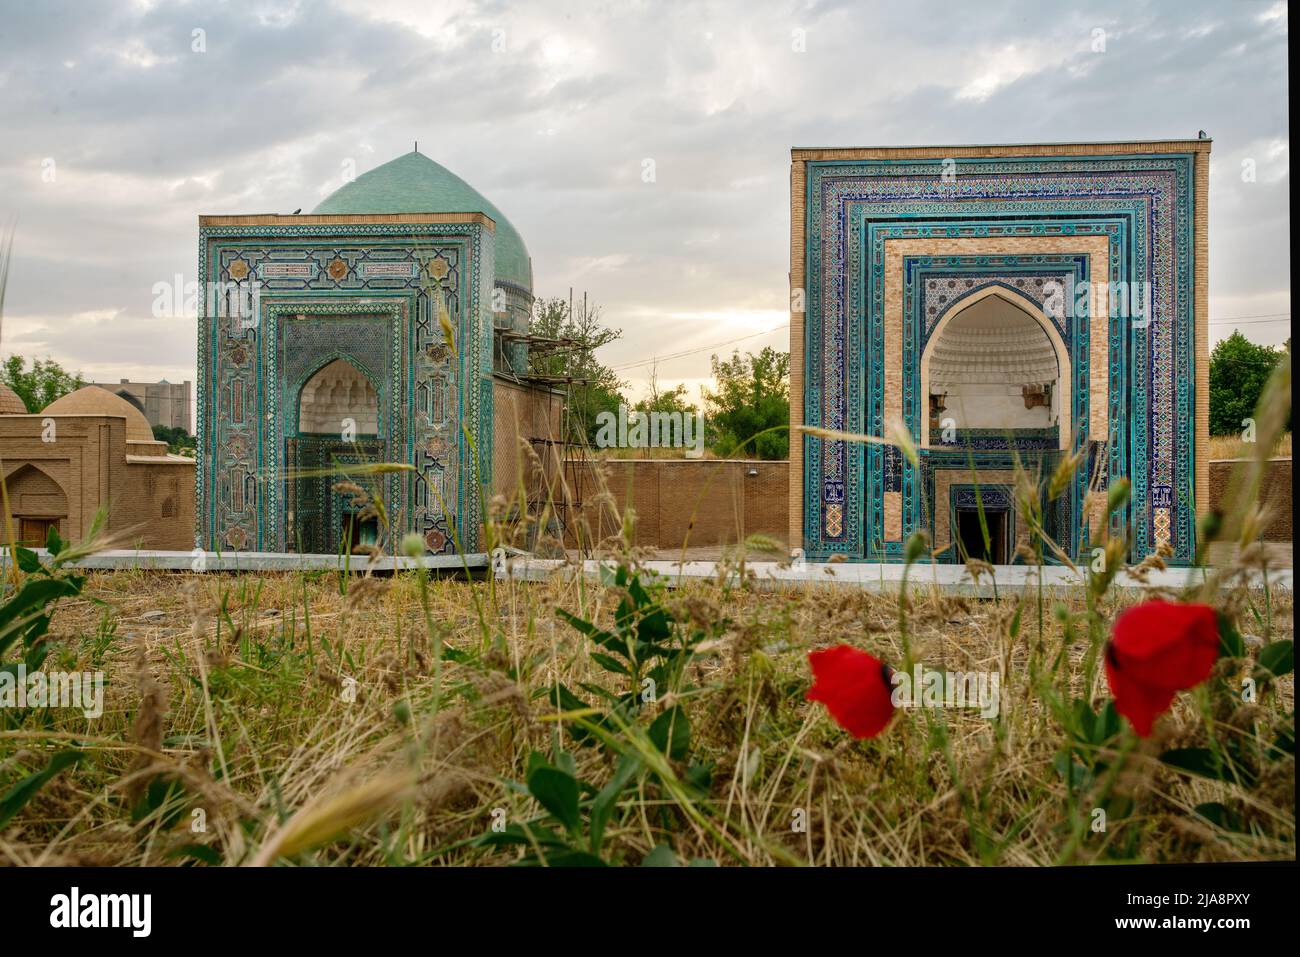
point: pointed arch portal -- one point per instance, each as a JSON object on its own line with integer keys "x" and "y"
{"x": 338, "y": 422}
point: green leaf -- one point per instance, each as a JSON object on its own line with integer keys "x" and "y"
{"x": 1277, "y": 658}
{"x": 1231, "y": 644}
{"x": 26, "y": 789}
{"x": 199, "y": 852}
{"x": 27, "y": 560}
{"x": 535, "y": 760}
{"x": 1200, "y": 761}
{"x": 1077, "y": 775}
{"x": 1084, "y": 720}
{"x": 610, "y": 663}
{"x": 566, "y": 700}
{"x": 164, "y": 791}
{"x": 565, "y": 762}
{"x": 605, "y": 639}
{"x": 557, "y": 792}
{"x": 699, "y": 778}
{"x": 523, "y": 834}
{"x": 53, "y": 543}
{"x": 528, "y": 834}
{"x": 603, "y": 804}
{"x": 671, "y": 732}
{"x": 592, "y": 688}
{"x": 1109, "y": 725}
{"x": 654, "y": 627}
{"x": 612, "y": 577}
{"x": 36, "y": 594}
{"x": 661, "y": 856}
{"x": 563, "y": 857}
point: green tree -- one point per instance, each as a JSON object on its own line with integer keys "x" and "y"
{"x": 672, "y": 400}
{"x": 1238, "y": 370}
{"x": 40, "y": 385}
{"x": 593, "y": 387}
{"x": 753, "y": 395}
{"x": 177, "y": 439}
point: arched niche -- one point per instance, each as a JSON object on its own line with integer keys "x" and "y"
{"x": 38, "y": 503}
{"x": 336, "y": 393}
{"x": 995, "y": 362}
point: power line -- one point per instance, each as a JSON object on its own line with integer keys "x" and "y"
{"x": 691, "y": 352}
{"x": 1245, "y": 320}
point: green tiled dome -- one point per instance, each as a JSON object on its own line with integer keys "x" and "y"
{"x": 416, "y": 184}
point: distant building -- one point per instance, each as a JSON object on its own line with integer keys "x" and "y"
{"x": 163, "y": 403}
{"x": 89, "y": 449}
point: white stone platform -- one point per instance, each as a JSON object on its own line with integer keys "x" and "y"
{"x": 954, "y": 579}
{"x": 196, "y": 561}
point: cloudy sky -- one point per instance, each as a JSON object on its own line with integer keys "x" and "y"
{"x": 117, "y": 133}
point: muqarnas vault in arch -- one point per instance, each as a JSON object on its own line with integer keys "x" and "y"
{"x": 927, "y": 289}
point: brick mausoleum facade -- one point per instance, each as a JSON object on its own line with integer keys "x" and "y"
{"x": 89, "y": 450}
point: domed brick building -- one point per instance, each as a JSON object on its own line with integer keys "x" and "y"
{"x": 10, "y": 402}
{"x": 88, "y": 450}
{"x": 374, "y": 329}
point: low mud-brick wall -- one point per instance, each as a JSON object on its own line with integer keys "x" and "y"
{"x": 699, "y": 502}
{"x": 1274, "y": 494}
{"x": 712, "y": 502}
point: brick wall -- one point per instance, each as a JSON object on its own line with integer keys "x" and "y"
{"x": 157, "y": 505}
{"x": 523, "y": 416}
{"x": 710, "y": 502}
{"x": 1275, "y": 492}
{"x": 699, "y": 502}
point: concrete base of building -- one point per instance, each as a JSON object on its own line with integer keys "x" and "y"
{"x": 197, "y": 561}
{"x": 950, "y": 579}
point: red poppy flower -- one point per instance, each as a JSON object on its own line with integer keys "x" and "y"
{"x": 1156, "y": 650}
{"x": 855, "y": 688}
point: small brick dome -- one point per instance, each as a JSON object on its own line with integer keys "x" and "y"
{"x": 10, "y": 404}
{"x": 92, "y": 400}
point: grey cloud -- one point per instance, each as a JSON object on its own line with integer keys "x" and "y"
{"x": 554, "y": 129}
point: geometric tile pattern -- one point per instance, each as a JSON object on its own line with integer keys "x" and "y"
{"x": 370, "y": 293}
{"x": 1141, "y": 204}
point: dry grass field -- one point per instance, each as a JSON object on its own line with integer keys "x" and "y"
{"x": 312, "y": 719}
{"x": 1232, "y": 447}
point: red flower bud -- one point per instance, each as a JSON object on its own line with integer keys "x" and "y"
{"x": 855, "y": 688}
{"x": 1156, "y": 650}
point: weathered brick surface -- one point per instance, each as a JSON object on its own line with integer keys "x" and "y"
{"x": 526, "y": 422}
{"x": 683, "y": 502}
{"x": 1275, "y": 495}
